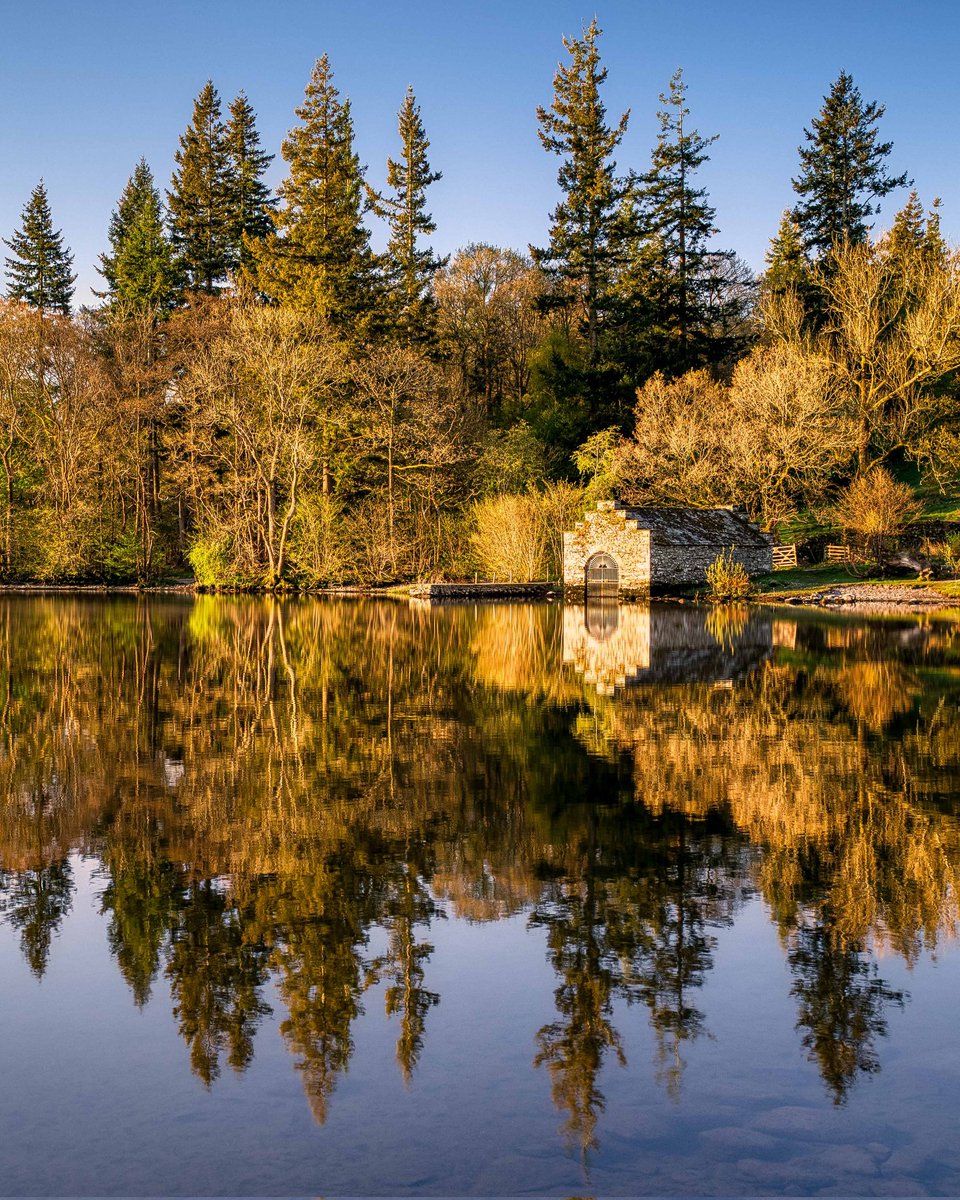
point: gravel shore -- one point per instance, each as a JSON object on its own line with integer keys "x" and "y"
{"x": 876, "y": 598}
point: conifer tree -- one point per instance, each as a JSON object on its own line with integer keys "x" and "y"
{"x": 790, "y": 275}
{"x": 132, "y": 199}
{"x": 907, "y": 234}
{"x": 914, "y": 243}
{"x": 410, "y": 268}
{"x": 39, "y": 270}
{"x": 200, "y": 196}
{"x": 934, "y": 242}
{"x": 319, "y": 256}
{"x": 583, "y": 250}
{"x": 787, "y": 263}
{"x": 139, "y": 268}
{"x": 250, "y": 200}
{"x": 678, "y": 221}
{"x": 842, "y": 170}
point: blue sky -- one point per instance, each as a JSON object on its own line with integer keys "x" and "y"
{"x": 86, "y": 88}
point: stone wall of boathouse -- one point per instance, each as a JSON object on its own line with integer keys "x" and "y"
{"x": 608, "y": 530}
{"x": 686, "y": 566}
{"x": 662, "y": 548}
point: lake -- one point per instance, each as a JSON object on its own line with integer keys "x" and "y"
{"x": 364, "y": 898}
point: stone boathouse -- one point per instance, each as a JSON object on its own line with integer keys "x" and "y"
{"x": 619, "y": 550}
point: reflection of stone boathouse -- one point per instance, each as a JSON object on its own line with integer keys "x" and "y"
{"x": 617, "y": 550}
{"x": 628, "y": 645}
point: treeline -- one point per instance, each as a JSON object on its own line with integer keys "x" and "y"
{"x": 263, "y": 399}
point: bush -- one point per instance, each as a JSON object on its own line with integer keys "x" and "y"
{"x": 319, "y": 553}
{"x": 945, "y": 554}
{"x": 209, "y": 556}
{"x": 510, "y": 538}
{"x": 876, "y": 506}
{"x": 519, "y": 539}
{"x": 728, "y": 579}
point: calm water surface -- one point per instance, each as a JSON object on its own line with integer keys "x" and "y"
{"x": 375, "y": 899}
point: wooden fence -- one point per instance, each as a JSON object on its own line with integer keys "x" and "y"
{"x": 836, "y": 554}
{"x": 784, "y": 557}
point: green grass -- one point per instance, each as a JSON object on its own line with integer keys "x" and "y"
{"x": 805, "y": 580}
{"x": 804, "y": 525}
{"x": 800, "y": 579}
{"x": 934, "y": 507}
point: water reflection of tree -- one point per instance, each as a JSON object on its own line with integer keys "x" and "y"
{"x": 268, "y": 784}
{"x": 630, "y": 917}
{"x": 143, "y": 899}
{"x": 841, "y": 1002}
{"x": 215, "y": 974}
{"x": 35, "y": 902}
{"x": 409, "y": 907}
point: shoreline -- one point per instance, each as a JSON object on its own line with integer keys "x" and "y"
{"x": 867, "y": 598}
{"x": 853, "y": 598}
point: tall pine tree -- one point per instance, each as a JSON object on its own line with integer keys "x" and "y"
{"x": 319, "y": 256}
{"x": 583, "y": 252}
{"x": 40, "y": 267}
{"x": 250, "y": 200}
{"x": 688, "y": 281}
{"x": 842, "y": 170}
{"x": 410, "y": 267}
{"x": 199, "y": 199}
{"x": 139, "y": 268}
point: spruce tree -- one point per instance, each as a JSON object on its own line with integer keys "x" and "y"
{"x": 787, "y": 263}
{"x": 410, "y": 268}
{"x": 914, "y": 242}
{"x": 907, "y": 234}
{"x": 677, "y": 221}
{"x": 319, "y": 256}
{"x": 39, "y": 270}
{"x": 200, "y": 196}
{"x": 934, "y": 243}
{"x": 583, "y": 252}
{"x": 140, "y": 268}
{"x": 250, "y": 199}
{"x": 842, "y": 170}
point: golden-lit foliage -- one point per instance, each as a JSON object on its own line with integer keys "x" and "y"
{"x": 267, "y": 782}
{"x": 772, "y": 439}
{"x": 520, "y": 538}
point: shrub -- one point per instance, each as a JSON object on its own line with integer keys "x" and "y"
{"x": 510, "y": 538}
{"x": 319, "y": 553}
{"x": 520, "y": 538}
{"x": 876, "y": 506}
{"x": 209, "y": 557}
{"x": 945, "y": 554}
{"x": 728, "y": 579}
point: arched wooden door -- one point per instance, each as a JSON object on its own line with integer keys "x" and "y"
{"x": 603, "y": 575}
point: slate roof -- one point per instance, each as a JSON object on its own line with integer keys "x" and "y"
{"x": 697, "y": 527}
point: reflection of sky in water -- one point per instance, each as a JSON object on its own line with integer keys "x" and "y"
{"x": 674, "y": 897}
{"x": 118, "y": 1103}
